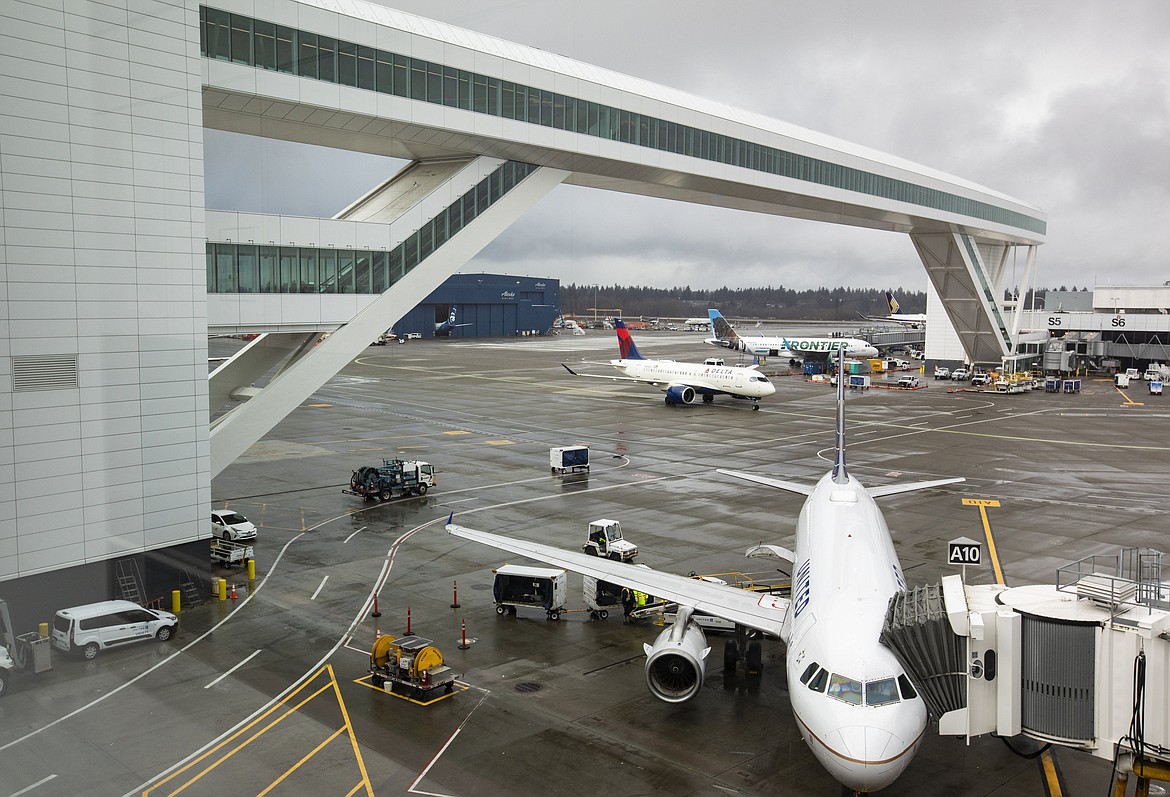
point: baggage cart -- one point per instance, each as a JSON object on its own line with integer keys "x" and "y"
{"x": 568, "y": 459}
{"x": 531, "y": 587}
{"x": 229, "y": 553}
{"x": 601, "y": 596}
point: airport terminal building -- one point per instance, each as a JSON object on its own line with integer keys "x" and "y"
{"x": 113, "y": 272}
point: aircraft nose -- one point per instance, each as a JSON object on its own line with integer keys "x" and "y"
{"x": 866, "y": 743}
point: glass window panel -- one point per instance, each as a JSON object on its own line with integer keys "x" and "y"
{"x": 817, "y": 684}
{"x": 410, "y": 253}
{"x": 345, "y": 266}
{"x": 365, "y": 62}
{"x": 307, "y": 66}
{"x": 209, "y": 266}
{"x": 426, "y": 241}
{"x": 395, "y": 269}
{"x": 241, "y": 39}
{"x": 327, "y": 59}
{"x": 845, "y": 689}
{"x": 347, "y": 64}
{"x": 521, "y": 106}
{"x": 401, "y": 86}
{"x": 434, "y": 86}
{"x": 479, "y": 91}
{"x": 218, "y": 34}
{"x": 307, "y": 282}
{"x": 908, "y": 692}
{"x": 378, "y": 281}
{"x": 606, "y": 123}
{"x": 594, "y": 117}
{"x": 546, "y": 108}
{"x": 248, "y": 267}
{"x": 454, "y": 218}
{"x": 286, "y": 49}
{"x": 507, "y": 100}
{"x": 288, "y": 270}
{"x": 450, "y": 86}
{"x": 879, "y": 693}
{"x": 384, "y": 73}
{"x": 440, "y": 225}
{"x": 418, "y": 79}
{"x": 468, "y": 202}
{"x": 225, "y": 268}
{"x": 269, "y": 269}
{"x": 361, "y": 274}
{"x": 464, "y": 101}
{"x": 558, "y": 111}
{"x": 533, "y": 112}
{"x": 265, "y": 44}
{"x": 327, "y": 271}
{"x": 493, "y": 96}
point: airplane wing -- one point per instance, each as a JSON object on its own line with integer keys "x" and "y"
{"x": 610, "y": 378}
{"x": 894, "y": 489}
{"x": 792, "y": 487}
{"x": 762, "y": 612}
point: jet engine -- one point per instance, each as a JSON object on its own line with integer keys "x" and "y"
{"x": 680, "y": 394}
{"x": 675, "y": 662}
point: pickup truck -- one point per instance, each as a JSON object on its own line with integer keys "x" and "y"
{"x": 960, "y": 374}
{"x": 909, "y": 380}
{"x": 942, "y": 373}
{"x": 981, "y": 380}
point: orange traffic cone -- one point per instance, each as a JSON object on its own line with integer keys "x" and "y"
{"x": 233, "y": 592}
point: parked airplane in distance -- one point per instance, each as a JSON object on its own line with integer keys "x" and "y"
{"x": 791, "y": 347}
{"x": 854, "y": 705}
{"x": 896, "y": 316}
{"x": 685, "y": 383}
{"x": 445, "y": 327}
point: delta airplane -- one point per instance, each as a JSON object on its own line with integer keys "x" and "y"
{"x": 792, "y": 347}
{"x": 445, "y": 327}
{"x": 684, "y": 383}
{"x": 854, "y": 705}
{"x": 896, "y": 316}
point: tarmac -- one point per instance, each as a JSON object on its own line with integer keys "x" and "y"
{"x": 268, "y": 693}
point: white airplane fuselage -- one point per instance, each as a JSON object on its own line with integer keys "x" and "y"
{"x": 803, "y": 347}
{"x": 845, "y": 573}
{"x": 736, "y": 381}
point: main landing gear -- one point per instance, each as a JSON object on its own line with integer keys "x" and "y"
{"x": 740, "y": 649}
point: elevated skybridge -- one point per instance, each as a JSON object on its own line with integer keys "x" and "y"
{"x": 366, "y": 78}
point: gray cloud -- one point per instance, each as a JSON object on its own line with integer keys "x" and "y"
{"x": 1064, "y": 106}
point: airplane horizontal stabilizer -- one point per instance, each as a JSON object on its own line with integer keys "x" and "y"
{"x": 779, "y": 484}
{"x": 909, "y": 487}
{"x": 763, "y": 612}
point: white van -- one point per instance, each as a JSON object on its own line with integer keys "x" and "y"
{"x": 97, "y": 626}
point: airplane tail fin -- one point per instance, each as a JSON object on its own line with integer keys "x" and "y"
{"x": 892, "y": 303}
{"x": 840, "y": 474}
{"x": 722, "y": 330}
{"x": 626, "y": 346}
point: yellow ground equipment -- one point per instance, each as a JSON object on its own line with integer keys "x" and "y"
{"x": 409, "y": 665}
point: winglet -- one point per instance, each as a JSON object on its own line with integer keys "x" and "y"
{"x": 840, "y": 475}
{"x": 451, "y": 518}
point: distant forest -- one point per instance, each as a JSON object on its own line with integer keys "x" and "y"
{"x": 819, "y": 304}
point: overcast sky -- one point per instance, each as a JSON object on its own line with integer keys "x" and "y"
{"x": 1064, "y": 105}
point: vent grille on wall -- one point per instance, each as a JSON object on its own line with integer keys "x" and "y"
{"x": 44, "y": 372}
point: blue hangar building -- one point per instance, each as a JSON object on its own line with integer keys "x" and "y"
{"x": 485, "y": 306}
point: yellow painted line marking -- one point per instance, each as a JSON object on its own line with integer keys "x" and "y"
{"x": 459, "y": 687}
{"x": 499, "y": 442}
{"x": 991, "y": 546}
{"x": 980, "y": 502}
{"x": 318, "y": 405}
{"x": 1128, "y": 400}
{"x": 1051, "y": 775}
{"x": 457, "y": 431}
{"x": 215, "y": 758}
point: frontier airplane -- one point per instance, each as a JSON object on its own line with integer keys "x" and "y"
{"x": 684, "y": 383}
{"x": 854, "y": 705}
{"x": 781, "y": 346}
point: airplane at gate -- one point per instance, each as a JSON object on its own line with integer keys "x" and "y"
{"x": 781, "y": 346}
{"x": 854, "y": 705}
{"x": 685, "y": 383}
{"x": 896, "y": 316}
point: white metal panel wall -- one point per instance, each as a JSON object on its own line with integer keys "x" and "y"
{"x": 101, "y": 204}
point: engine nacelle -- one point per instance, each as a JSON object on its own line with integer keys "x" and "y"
{"x": 680, "y": 394}
{"x": 675, "y": 662}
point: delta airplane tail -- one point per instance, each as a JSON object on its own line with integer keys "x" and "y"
{"x": 626, "y": 346}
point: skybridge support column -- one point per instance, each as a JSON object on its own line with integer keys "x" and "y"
{"x": 252, "y": 362}
{"x": 956, "y": 264}
{"x": 234, "y": 433}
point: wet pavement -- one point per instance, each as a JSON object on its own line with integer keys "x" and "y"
{"x": 265, "y": 689}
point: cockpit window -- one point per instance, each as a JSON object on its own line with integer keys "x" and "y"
{"x": 908, "y": 692}
{"x": 808, "y": 671}
{"x": 879, "y": 693}
{"x": 845, "y": 689}
{"x": 817, "y": 684}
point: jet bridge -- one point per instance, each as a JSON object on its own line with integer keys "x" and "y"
{"x": 1083, "y": 663}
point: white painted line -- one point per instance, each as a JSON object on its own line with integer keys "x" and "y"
{"x": 319, "y": 588}
{"x": 351, "y": 536}
{"x": 232, "y": 670}
{"x": 27, "y": 789}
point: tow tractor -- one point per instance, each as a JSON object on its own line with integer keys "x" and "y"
{"x": 605, "y": 540}
{"x": 410, "y": 666}
{"x": 405, "y": 477}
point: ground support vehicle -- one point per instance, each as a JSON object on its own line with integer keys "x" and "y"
{"x": 98, "y": 626}
{"x": 409, "y": 665}
{"x": 228, "y": 553}
{"x": 568, "y": 459}
{"x": 7, "y": 642}
{"x": 404, "y": 477}
{"x": 7, "y": 667}
{"x": 1155, "y": 387}
{"x": 605, "y": 540}
{"x": 981, "y": 380}
{"x": 908, "y": 381}
{"x": 942, "y": 373}
{"x": 859, "y": 381}
{"x": 960, "y": 375}
{"x": 532, "y": 587}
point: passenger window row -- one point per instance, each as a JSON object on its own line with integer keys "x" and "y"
{"x": 879, "y": 692}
